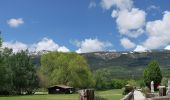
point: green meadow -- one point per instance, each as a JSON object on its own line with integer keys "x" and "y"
{"x": 115, "y": 94}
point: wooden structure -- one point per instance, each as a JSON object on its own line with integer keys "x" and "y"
{"x": 161, "y": 98}
{"x": 86, "y": 94}
{"x": 56, "y": 89}
{"x": 129, "y": 96}
{"x": 162, "y": 91}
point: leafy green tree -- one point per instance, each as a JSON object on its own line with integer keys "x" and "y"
{"x": 103, "y": 79}
{"x": 24, "y": 78}
{"x": 152, "y": 73}
{"x": 66, "y": 68}
{"x": 5, "y": 77}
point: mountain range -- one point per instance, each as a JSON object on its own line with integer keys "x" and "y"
{"x": 125, "y": 64}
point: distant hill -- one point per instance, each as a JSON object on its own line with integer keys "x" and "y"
{"x": 124, "y": 64}
{"x": 128, "y": 64}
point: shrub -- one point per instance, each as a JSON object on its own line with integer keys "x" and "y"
{"x": 127, "y": 89}
{"x": 118, "y": 84}
{"x": 132, "y": 83}
{"x": 141, "y": 83}
{"x": 164, "y": 81}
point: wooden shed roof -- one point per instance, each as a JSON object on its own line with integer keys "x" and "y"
{"x": 62, "y": 86}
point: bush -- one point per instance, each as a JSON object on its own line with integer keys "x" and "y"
{"x": 127, "y": 89}
{"x": 164, "y": 81}
{"x": 132, "y": 83}
{"x": 118, "y": 84}
{"x": 141, "y": 83}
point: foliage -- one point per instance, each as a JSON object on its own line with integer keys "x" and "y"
{"x": 118, "y": 83}
{"x": 66, "y": 68}
{"x": 5, "y": 72}
{"x": 146, "y": 90}
{"x": 17, "y": 73}
{"x": 140, "y": 83}
{"x": 152, "y": 73}
{"x": 132, "y": 83}
{"x": 103, "y": 79}
{"x": 24, "y": 77}
{"x": 164, "y": 81}
{"x": 127, "y": 89}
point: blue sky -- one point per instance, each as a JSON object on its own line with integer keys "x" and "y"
{"x": 85, "y": 25}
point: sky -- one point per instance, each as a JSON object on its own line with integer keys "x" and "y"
{"x": 85, "y": 25}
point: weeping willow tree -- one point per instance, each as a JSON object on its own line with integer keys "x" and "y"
{"x": 66, "y": 68}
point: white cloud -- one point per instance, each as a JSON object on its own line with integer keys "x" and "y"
{"x": 13, "y": 22}
{"x": 140, "y": 48}
{"x": 167, "y": 47}
{"x": 16, "y": 46}
{"x": 126, "y": 43}
{"x": 63, "y": 49}
{"x": 45, "y": 44}
{"x": 92, "y": 4}
{"x": 114, "y": 13}
{"x": 92, "y": 45}
{"x": 120, "y": 4}
{"x": 48, "y": 45}
{"x": 158, "y": 32}
{"x": 131, "y": 23}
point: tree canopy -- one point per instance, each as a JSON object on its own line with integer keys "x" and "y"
{"x": 17, "y": 73}
{"x": 66, "y": 68}
{"x": 152, "y": 73}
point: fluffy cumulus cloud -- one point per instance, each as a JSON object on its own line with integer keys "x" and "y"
{"x": 133, "y": 24}
{"x": 120, "y": 4}
{"x": 140, "y": 48}
{"x": 167, "y": 47}
{"x": 130, "y": 20}
{"x": 63, "y": 49}
{"x": 158, "y": 32}
{"x": 16, "y": 46}
{"x": 92, "y": 45}
{"x": 14, "y": 22}
{"x": 45, "y": 44}
{"x": 126, "y": 43}
{"x": 48, "y": 45}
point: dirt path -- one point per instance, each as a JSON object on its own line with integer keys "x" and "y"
{"x": 138, "y": 95}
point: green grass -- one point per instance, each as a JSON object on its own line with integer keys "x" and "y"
{"x": 109, "y": 94}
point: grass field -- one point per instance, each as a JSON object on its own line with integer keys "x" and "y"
{"x": 109, "y": 94}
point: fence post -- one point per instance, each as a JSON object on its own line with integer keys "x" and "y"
{"x": 86, "y": 94}
{"x": 162, "y": 91}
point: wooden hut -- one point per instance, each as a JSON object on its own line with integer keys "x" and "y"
{"x": 57, "y": 89}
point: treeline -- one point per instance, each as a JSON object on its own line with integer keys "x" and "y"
{"x": 19, "y": 76}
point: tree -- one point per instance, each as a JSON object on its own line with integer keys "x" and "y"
{"x": 103, "y": 79}
{"x": 66, "y": 68}
{"x": 24, "y": 78}
{"x": 5, "y": 83}
{"x": 152, "y": 73}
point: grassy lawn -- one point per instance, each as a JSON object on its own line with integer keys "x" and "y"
{"x": 109, "y": 94}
